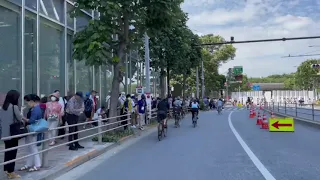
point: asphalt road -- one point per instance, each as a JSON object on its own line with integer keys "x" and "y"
{"x": 302, "y": 112}
{"x": 222, "y": 147}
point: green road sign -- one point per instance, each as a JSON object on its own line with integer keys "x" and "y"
{"x": 237, "y": 70}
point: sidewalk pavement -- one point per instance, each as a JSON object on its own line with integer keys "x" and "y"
{"x": 60, "y": 159}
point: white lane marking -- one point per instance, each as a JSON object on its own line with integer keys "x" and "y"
{"x": 263, "y": 170}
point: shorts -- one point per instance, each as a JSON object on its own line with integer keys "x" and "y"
{"x": 88, "y": 114}
{"x": 161, "y": 116}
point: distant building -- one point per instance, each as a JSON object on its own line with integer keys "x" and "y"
{"x": 270, "y": 86}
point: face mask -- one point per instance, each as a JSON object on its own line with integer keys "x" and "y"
{"x": 53, "y": 98}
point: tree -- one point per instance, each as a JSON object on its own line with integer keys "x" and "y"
{"x": 306, "y": 76}
{"x": 121, "y": 25}
{"x": 171, "y": 47}
{"x": 213, "y": 57}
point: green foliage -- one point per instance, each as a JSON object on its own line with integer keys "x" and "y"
{"x": 306, "y": 77}
{"x": 114, "y": 136}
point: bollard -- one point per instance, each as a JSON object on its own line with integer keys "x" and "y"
{"x": 44, "y": 155}
{"x": 99, "y": 130}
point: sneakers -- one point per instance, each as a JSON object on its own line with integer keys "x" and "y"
{"x": 13, "y": 175}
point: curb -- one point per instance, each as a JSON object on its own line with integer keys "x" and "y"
{"x": 302, "y": 120}
{"x": 82, "y": 159}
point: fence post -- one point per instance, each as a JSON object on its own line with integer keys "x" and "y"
{"x": 44, "y": 155}
{"x": 313, "y": 112}
{"x": 285, "y": 107}
{"x": 272, "y": 106}
{"x": 296, "y": 109}
{"x": 99, "y": 130}
{"x": 278, "y": 106}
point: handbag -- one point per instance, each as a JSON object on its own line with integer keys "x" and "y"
{"x": 40, "y": 125}
{"x": 17, "y": 127}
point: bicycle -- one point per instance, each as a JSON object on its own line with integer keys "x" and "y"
{"x": 194, "y": 120}
{"x": 219, "y": 110}
{"x": 162, "y": 130}
{"x": 177, "y": 119}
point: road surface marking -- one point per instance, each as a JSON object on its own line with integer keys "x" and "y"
{"x": 263, "y": 170}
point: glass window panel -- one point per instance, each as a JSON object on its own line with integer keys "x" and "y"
{"x": 51, "y": 56}
{"x": 70, "y": 20}
{"x": 71, "y": 84}
{"x": 52, "y": 9}
{"x": 31, "y": 4}
{"x": 109, "y": 76}
{"x": 30, "y": 53}
{"x": 84, "y": 77}
{"x": 10, "y": 51}
{"x": 103, "y": 93}
{"x": 18, "y": 2}
{"x": 82, "y": 21}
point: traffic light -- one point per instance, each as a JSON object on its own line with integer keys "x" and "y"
{"x": 317, "y": 66}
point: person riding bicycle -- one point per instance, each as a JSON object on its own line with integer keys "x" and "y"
{"x": 177, "y": 105}
{"x": 194, "y": 108}
{"x": 220, "y": 104}
{"x": 163, "y": 108}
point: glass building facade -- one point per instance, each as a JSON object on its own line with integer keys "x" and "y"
{"x": 36, "y": 50}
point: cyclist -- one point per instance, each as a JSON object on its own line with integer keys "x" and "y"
{"x": 195, "y": 108}
{"x": 220, "y": 104}
{"x": 163, "y": 108}
{"x": 177, "y": 107}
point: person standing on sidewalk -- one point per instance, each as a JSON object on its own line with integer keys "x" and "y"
{"x": 33, "y": 162}
{"x": 8, "y": 114}
{"x": 142, "y": 111}
{"x": 53, "y": 115}
{"x": 88, "y": 108}
{"x": 75, "y": 107}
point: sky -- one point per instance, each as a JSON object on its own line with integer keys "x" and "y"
{"x": 259, "y": 19}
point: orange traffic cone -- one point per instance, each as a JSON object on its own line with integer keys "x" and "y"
{"x": 272, "y": 115}
{"x": 259, "y": 120}
{"x": 264, "y": 124}
{"x": 251, "y": 114}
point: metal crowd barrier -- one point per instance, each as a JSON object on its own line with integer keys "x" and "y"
{"x": 45, "y": 141}
{"x": 304, "y": 111}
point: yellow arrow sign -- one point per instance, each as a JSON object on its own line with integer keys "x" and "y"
{"x": 281, "y": 124}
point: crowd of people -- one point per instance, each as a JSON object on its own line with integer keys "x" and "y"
{"x": 61, "y": 111}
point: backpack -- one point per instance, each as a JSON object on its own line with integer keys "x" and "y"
{"x": 128, "y": 105}
{"x": 88, "y": 104}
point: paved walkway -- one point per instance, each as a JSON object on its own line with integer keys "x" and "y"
{"x": 58, "y": 158}
{"x": 229, "y": 146}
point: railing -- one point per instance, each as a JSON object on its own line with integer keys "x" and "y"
{"x": 304, "y": 111}
{"x": 102, "y": 128}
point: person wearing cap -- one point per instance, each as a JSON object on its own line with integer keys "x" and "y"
{"x": 75, "y": 107}
{"x": 53, "y": 114}
{"x": 93, "y": 97}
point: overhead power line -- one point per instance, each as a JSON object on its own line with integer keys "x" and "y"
{"x": 260, "y": 40}
{"x": 302, "y": 55}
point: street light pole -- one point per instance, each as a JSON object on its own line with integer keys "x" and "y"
{"x": 147, "y": 62}
{"x": 202, "y": 78}
{"x": 197, "y": 82}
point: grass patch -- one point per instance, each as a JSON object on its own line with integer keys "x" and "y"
{"x": 114, "y": 136}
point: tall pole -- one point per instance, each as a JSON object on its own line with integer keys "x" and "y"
{"x": 197, "y": 82}
{"x": 130, "y": 72}
{"x": 147, "y": 62}
{"x": 126, "y": 75}
{"x": 202, "y": 78}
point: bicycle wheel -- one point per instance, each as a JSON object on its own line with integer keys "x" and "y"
{"x": 165, "y": 130}
{"x": 160, "y": 131}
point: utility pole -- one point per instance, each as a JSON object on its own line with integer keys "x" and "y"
{"x": 130, "y": 72}
{"x": 126, "y": 75}
{"x": 197, "y": 82}
{"x": 147, "y": 62}
{"x": 202, "y": 78}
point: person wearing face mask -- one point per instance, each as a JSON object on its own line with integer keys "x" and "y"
{"x": 53, "y": 114}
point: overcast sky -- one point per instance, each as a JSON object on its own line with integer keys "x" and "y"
{"x": 259, "y": 19}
